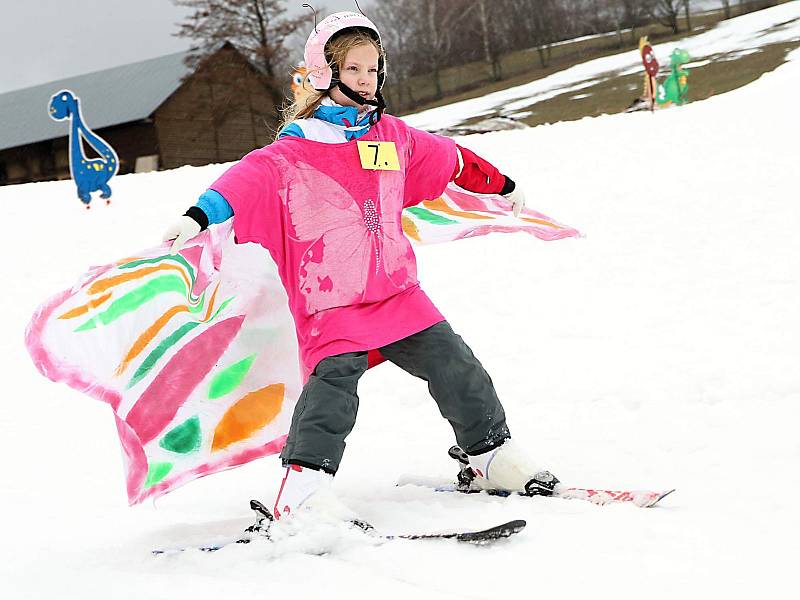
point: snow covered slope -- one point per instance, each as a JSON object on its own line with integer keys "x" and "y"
{"x": 660, "y": 350}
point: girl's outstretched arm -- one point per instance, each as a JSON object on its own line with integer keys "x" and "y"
{"x": 244, "y": 189}
{"x": 211, "y": 208}
{"x": 214, "y": 207}
{"x": 476, "y": 174}
{"x": 434, "y": 161}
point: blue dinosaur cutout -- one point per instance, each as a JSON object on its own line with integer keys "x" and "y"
{"x": 90, "y": 175}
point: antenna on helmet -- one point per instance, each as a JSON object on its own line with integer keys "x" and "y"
{"x": 306, "y": 5}
{"x": 359, "y": 8}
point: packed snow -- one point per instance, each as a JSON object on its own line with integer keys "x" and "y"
{"x": 658, "y": 351}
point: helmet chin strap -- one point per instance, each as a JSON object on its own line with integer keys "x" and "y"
{"x": 378, "y": 102}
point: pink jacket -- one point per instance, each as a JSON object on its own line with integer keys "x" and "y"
{"x": 334, "y": 229}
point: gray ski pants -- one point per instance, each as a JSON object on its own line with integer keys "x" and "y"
{"x": 326, "y": 410}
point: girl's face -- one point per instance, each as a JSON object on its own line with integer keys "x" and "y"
{"x": 360, "y": 73}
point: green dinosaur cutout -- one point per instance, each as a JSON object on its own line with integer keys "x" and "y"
{"x": 675, "y": 89}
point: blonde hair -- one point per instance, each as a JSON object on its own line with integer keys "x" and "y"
{"x": 337, "y": 49}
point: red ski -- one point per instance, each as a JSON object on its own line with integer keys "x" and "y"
{"x": 640, "y": 498}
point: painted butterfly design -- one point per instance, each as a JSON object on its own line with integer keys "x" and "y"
{"x": 356, "y": 251}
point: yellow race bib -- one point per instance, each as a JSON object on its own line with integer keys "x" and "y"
{"x": 378, "y": 156}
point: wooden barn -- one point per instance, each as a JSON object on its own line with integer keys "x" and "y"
{"x": 156, "y": 114}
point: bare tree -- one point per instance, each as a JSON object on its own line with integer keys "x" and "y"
{"x": 399, "y": 30}
{"x": 626, "y": 14}
{"x": 666, "y": 12}
{"x": 580, "y": 16}
{"x": 686, "y": 12}
{"x": 441, "y": 18}
{"x": 257, "y": 28}
{"x": 423, "y": 38}
{"x": 494, "y": 20}
{"x": 726, "y": 6}
{"x": 591, "y": 14}
{"x": 637, "y": 14}
{"x": 539, "y": 20}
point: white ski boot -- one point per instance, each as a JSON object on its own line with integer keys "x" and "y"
{"x": 298, "y": 486}
{"x": 503, "y": 469}
{"x": 305, "y": 501}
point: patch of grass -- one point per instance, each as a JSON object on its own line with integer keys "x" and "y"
{"x": 726, "y": 72}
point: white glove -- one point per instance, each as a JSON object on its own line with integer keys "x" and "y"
{"x": 517, "y": 199}
{"x": 181, "y": 231}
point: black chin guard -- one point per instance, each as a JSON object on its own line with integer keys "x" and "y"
{"x": 378, "y": 102}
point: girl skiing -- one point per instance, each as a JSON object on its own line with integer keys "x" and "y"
{"x": 325, "y": 199}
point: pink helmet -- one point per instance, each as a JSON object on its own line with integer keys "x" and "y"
{"x": 319, "y": 72}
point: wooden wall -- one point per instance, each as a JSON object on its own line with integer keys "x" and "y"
{"x": 48, "y": 160}
{"x": 218, "y": 115}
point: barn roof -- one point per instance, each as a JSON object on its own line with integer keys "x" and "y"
{"x": 109, "y": 97}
